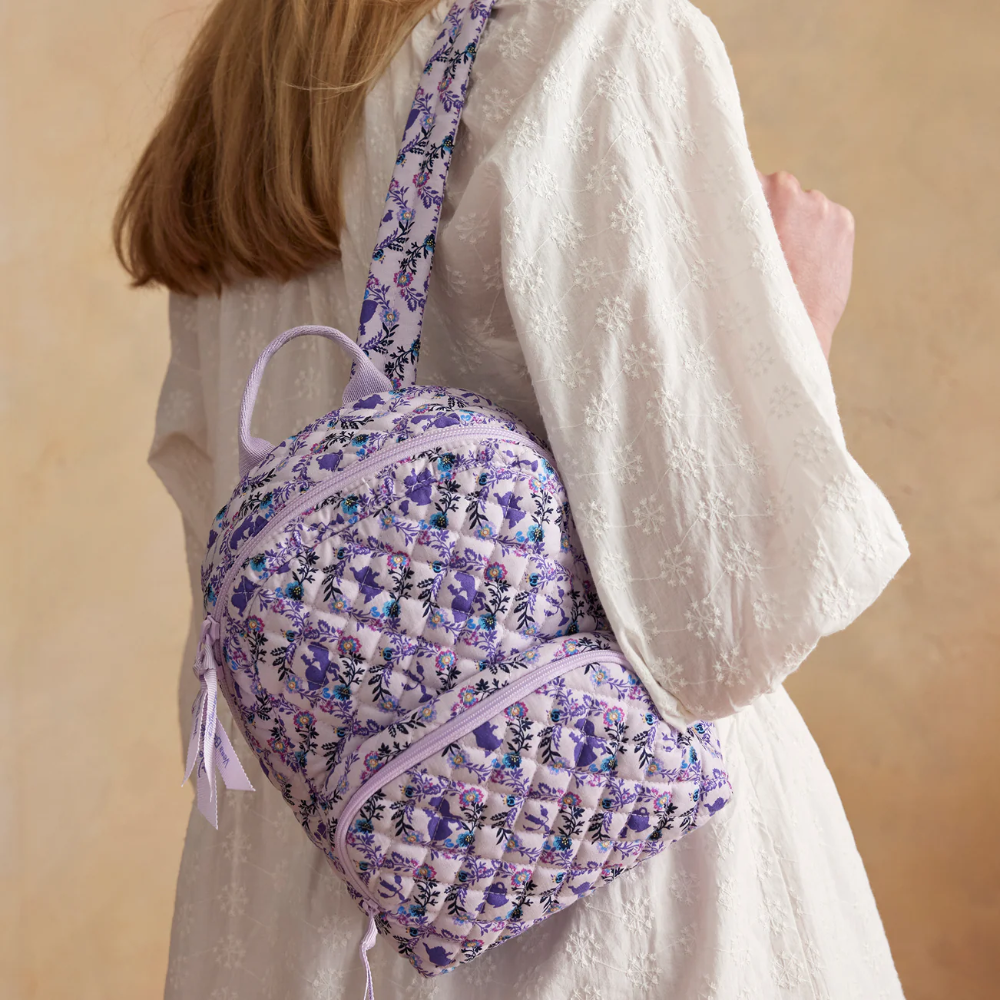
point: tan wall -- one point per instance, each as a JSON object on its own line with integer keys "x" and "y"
{"x": 98, "y": 587}
{"x": 888, "y": 106}
{"x": 891, "y": 106}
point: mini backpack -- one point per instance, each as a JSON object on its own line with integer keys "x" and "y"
{"x": 400, "y": 615}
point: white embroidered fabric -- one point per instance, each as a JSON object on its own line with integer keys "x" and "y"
{"x": 607, "y": 269}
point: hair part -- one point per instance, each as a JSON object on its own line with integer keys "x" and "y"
{"x": 242, "y": 177}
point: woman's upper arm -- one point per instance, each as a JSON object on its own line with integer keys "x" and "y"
{"x": 180, "y": 452}
{"x": 682, "y": 387}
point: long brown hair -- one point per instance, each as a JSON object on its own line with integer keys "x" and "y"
{"x": 242, "y": 176}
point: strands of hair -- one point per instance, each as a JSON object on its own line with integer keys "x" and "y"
{"x": 242, "y": 177}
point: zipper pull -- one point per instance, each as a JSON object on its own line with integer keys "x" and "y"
{"x": 367, "y": 942}
{"x": 209, "y": 746}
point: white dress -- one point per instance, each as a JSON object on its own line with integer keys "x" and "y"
{"x": 607, "y": 268}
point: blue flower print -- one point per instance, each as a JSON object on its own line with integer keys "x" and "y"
{"x": 293, "y": 591}
{"x": 532, "y": 536}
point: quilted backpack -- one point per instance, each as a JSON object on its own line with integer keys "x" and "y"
{"x": 400, "y": 616}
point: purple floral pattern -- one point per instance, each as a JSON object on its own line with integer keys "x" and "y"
{"x": 395, "y": 563}
{"x": 559, "y": 794}
{"x": 357, "y": 626}
{"x": 396, "y": 293}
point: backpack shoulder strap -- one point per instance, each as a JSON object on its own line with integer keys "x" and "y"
{"x": 396, "y": 293}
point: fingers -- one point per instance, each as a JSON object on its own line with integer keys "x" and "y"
{"x": 781, "y": 182}
{"x": 785, "y": 181}
{"x": 784, "y": 188}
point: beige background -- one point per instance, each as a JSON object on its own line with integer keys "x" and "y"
{"x": 888, "y": 106}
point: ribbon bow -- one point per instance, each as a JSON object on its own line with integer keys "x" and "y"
{"x": 210, "y": 747}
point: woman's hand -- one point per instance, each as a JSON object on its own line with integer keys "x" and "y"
{"x": 817, "y": 237}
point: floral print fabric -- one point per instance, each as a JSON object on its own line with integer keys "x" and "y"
{"x": 366, "y": 600}
{"x": 559, "y": 795}
{"x": 396, "y": 291}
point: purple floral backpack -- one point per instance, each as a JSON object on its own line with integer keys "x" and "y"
{"x": 400, "y": 616}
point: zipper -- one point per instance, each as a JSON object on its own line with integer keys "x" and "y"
{"x": 385, "y": 456}
{"x": 452, "y": 730}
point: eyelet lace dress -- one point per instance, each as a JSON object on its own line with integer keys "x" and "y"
{"x": 608, "y": 270}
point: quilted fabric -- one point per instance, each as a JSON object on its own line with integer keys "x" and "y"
{"x": 333, "y": 444}
{"x": 357, "y": 626}
{"x": 557, "y": 795}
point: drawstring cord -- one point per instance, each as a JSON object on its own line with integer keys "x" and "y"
{"x": 209, "y": 746}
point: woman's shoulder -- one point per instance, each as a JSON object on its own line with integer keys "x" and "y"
{"x": 547, "y": 64}
{"x": 621, "y": 36}
{"x": 613, "y": 16}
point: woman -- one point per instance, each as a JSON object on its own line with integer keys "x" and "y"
{"x": 608, "y": 269}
